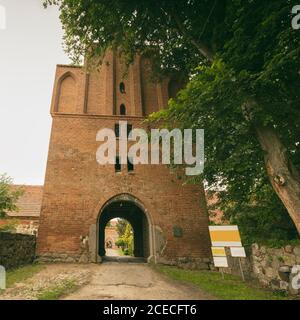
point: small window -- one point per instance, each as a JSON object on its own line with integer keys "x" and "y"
{"x": 129, "y": 129}
{"x": 117, "y": 130}
{"x": 122, "y": 110}
{"x": 130, "y": 166}
{"x": 118, "y": 164}
{"x": 122, "y": 87}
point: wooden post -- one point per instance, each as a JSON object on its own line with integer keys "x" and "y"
{"x": 242, "y": 272}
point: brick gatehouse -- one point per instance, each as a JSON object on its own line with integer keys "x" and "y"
{"x": 169, "y": 219}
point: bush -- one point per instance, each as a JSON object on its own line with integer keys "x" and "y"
{"x": 9, "y": 226}
{"x": 120, "y": 243}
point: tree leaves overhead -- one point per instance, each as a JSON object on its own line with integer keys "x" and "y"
{"x": 163, "y": 29}
{"x": 230, "y": 50}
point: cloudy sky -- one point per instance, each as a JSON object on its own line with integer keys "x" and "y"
{"x": 30, "y": 48}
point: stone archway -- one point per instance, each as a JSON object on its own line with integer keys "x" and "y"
{"x": 129, "y": 208}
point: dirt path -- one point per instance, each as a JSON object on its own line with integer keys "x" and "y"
{"x": 50, "y": 276}
{"x": 124, "y": 281}
{"x": 112, "y": 253}
{"x": 110, "y": 280}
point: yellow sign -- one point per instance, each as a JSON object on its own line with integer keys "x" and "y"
{"x": 225, "y": 236}
{"x": 218, "y": 251}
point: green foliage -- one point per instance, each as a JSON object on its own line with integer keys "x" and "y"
{"x": 21, "y": 274}
{"x": 231, "y": 51}
{"x": 120, "y": 243}
{"x": 121, "y": 226}
{"x": 229, "y": 288}
{"x": 8, "y": 197}
{"x": 234, "y": 160}
{"x": 125, "y": 241}
{"x": 127, "y": 252}
{"x": 271, "y": 243}
{"x": 10, "y": 225}
{"x": 56, "y": 292}
{"x": 261, "y": 216}
{"x": 153, "y": 28}
{"x": 260, "y": 59}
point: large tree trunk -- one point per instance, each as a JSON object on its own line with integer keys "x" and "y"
{"x": 282, "y": 173}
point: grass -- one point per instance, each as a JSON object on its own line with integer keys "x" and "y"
{"x": 21, "y": 274}
{"x": 50, "y": 293}
{"x": 120, "y": 252}
{"x": 56, "y": 292}
{"x": 229, "y": 288}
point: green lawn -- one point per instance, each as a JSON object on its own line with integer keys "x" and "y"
{"x": 21, "y": 274}
{"x": 229, "y": 288}
{"x": 56, "y": 292}
{"x": 120, "y": 252}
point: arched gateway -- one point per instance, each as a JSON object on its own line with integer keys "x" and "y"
{"x": 131, "y": 209}
{"x": 169, "y": 217}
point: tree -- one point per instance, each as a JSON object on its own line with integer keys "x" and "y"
{"x": 10, "y": 226}
{"x": 121, "y": 226}
{"x": 125, "y": 239}
{"x": 8, "y": 196}
{"x": 243, "y": 59}
{"x": 261, "y": 216}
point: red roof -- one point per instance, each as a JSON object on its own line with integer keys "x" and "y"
{"x": 216, "y": 215}
{"x": 29, "y": 203}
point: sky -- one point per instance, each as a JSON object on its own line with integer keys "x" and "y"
{"x": 30, "y": 49}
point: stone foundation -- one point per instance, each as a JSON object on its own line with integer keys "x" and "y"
{"x": 276, "y": 268}
{"x": 187, "y": 263}
{"x": 68, "y": 257}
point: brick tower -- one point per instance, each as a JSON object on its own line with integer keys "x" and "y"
{"x": 169, "y": 219}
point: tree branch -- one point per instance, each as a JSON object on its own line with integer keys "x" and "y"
{"x": 200, "y": 46}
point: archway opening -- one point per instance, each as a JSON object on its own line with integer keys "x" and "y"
{"x": 119, "y": 238}
{"x": 135, "y": 215}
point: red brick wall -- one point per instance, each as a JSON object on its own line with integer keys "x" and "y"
{"x": 111, "y": 234}
{"x": 76, "y": 186}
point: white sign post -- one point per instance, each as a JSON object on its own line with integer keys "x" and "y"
{"x": 2, "y": 278}
{"x": 238, "y": 252}
{"x": 226, "y": 237}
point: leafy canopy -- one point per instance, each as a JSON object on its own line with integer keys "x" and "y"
{"x": 125, "y": 240}
{"x": 231, "y": 51}
{"x": 8, "y": 196}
